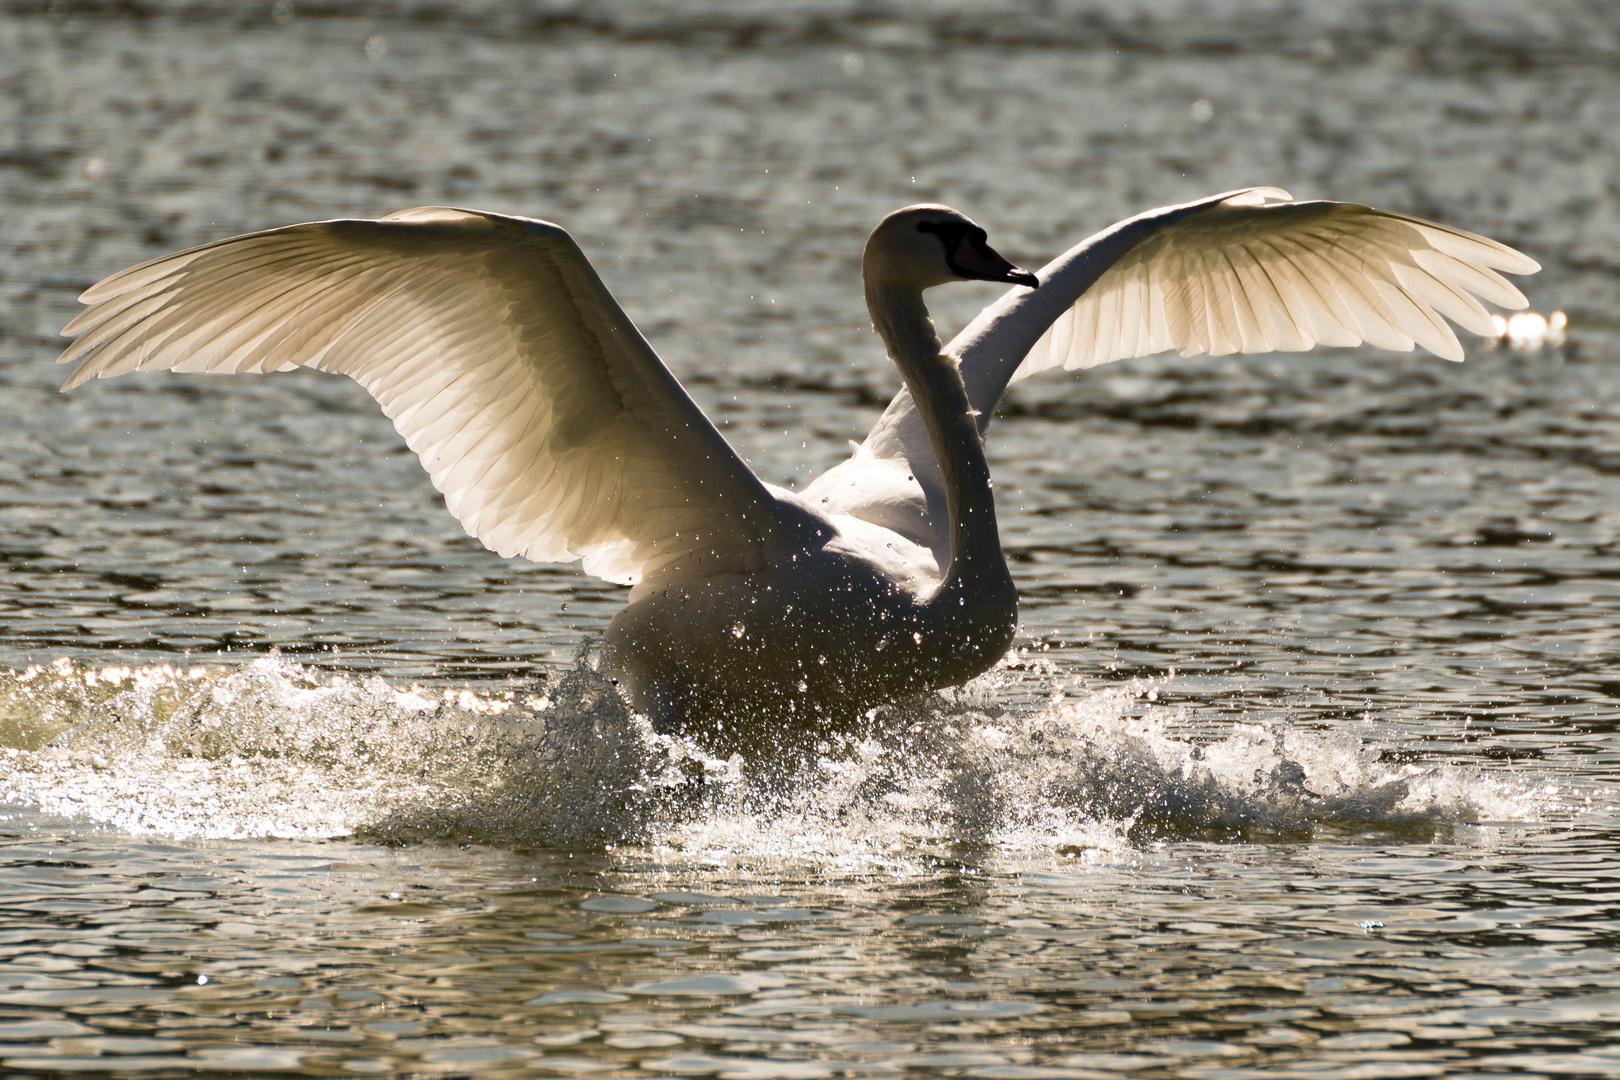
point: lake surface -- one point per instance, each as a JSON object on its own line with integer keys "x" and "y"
{"x": 1305, "y": 763}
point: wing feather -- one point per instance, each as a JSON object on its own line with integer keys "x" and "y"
{"x": 544, "y": 418}
{"x": 1233, "y": 304}
{"x": 1292, "y": 320}
{"x": 1327, "y": 316}
{"x": 1159, "y": 337}
{"x": 1437, "y": 289}
{"x": 1185, "y": 306}
{"x": 1270, "y": 308}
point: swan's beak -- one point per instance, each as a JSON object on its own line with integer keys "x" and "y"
{"x": 979, "y": 261}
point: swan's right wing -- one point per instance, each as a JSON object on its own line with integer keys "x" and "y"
{"x": 538, "y": 409}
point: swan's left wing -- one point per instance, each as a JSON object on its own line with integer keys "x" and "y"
{"x": 538, "y": 409}
{"x": 1254, "y": 272}
{"x": 1244, "y": 271}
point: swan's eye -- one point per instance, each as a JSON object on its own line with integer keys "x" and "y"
{"x": 950, "y": 233}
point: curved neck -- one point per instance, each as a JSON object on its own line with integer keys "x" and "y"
{"x": 932, "y": 376}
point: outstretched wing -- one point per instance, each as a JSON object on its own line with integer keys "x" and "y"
{"x": 550, "y": 425}
{"x": 1244, "y": 271}
{"x": 1256, "y": 272}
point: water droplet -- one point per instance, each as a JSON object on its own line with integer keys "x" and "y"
{"x": 1203, "y": 110}
{"x": 376, "y": 47}
{"x": 281, "y": 12}
{"x": 853, "y": 65}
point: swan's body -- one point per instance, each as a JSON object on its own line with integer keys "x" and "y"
{"x": 855, "y": 613}
{"x": 556, "y": 433}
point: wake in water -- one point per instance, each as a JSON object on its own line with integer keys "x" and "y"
{"x": 277, "y": 749}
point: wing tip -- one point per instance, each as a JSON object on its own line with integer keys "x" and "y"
{"x": 81, "y": 375}
{"x": 1529, "y": 265}
{"x": 1452, "y": 350}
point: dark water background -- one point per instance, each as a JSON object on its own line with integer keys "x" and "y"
{"x": 1398, "y": 577}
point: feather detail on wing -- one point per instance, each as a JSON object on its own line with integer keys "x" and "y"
{"x": 1257, "y": 273}
{"x": 538, "y": 409}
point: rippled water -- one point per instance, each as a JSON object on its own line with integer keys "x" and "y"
{"x": 1304, "y": 766}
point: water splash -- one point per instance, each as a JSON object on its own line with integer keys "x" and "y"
{"x": 276, "y": 749}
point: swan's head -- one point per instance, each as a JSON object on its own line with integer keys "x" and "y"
{"x": 923, "y": 246}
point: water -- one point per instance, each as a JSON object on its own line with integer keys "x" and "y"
{"x": 1304, "y": 765}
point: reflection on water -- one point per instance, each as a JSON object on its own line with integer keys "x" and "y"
{"x": 1418, "y": 956}
{"x": 1530, "y": 330}
{"x": 1303, "y": 766}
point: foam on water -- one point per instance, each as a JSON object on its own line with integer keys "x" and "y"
{"x": 276, "y": 749}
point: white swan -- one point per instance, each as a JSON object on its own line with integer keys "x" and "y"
{"x": 556, "y": 433}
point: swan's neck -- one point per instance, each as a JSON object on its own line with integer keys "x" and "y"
{"x": 935, "y": 383}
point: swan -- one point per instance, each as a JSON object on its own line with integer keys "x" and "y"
{"x": 556, "y": 433}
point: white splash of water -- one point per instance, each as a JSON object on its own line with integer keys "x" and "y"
{"x": 275, "y": 749}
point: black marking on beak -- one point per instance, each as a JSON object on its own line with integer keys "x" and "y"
{"x": 969, "y": 256}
